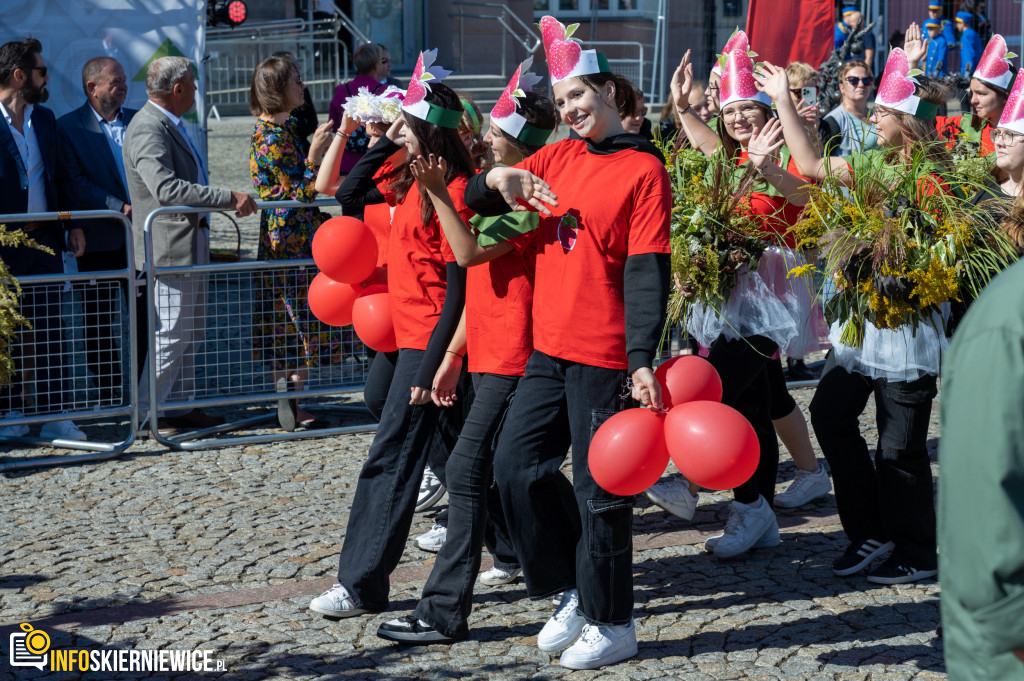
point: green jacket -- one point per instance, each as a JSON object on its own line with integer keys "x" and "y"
{"x": 981, "y": 487}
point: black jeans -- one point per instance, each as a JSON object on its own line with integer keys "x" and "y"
{"x": 744, "y": 366}
{"x": 386, "y": 490}
{"x": 892, "y": 499}
{"x": 448, "y": 595}
{"x": 567, "y": 535}
{"x": 378, "y": 380}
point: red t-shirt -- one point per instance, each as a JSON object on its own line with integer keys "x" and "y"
{"x": 949, "y": 125}
{"x": 499, "y": 300}
{"x": 417, "y": 275}
{"x": 779, "y": 214}
{"x": 377, "y": 217}
{"x": 610, "y": 207}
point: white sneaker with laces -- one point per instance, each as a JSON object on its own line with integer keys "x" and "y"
{"x": 433, "y": 539}
{"x": 335, "y": 602}
{"x": 806, "y": 487}
{"x": 565, "y": 625}
{"x": 62, "y": 430}
{"x": 600, "y": 646}
{"x": 748, "y": 528}
{"x": 430, "y": 492}
{"x": 18, "y": 430}
{"x": 497, "y": 576}
{"x": 673, "y": 495}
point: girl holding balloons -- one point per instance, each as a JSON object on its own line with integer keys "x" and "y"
{"x": 764, "y": 313}
{"x": 601, "y": 287}
{"x": 496, "y": 339}
{"x": 425, "y": 290}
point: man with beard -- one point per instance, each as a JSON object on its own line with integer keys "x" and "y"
{"x": 92, "y": 138}
{"x": 32, "y": 181}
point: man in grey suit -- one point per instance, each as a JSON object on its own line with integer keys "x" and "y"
{"x": 163, "y": 168}
{"x": 92, "y": 138}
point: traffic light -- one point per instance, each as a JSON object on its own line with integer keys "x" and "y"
{"x": 230, "y": 12}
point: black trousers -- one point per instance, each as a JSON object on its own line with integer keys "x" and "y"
{"x": 892, "y": 498}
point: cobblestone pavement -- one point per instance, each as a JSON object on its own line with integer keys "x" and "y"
{"x": 221, "y": 549}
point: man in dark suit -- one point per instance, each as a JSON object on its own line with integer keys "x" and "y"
{"x": 163, "y": 168}
{"x": 92, "y": 138}
{"x": 32, "y": 181}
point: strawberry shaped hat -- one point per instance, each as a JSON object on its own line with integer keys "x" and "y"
{"x": 1013, "y": 112}
{"x": 737, "y": 41}
{"x": 415, "y": 102}
{"x": 566, "y": 59}
{"x": 898, "y": 87}
{"x": 738, "y": 79}
{"x": 504, "y": 113}
{"x": 994, "y": 67}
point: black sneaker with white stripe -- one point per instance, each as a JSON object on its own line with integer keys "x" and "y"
{"x": 409, "y": 629}
{"x": 897, "y": 570}
{"x": 860, "y": 556}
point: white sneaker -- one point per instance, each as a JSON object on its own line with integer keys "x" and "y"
{"x": 433, "y": 539}
{"x": 431, "y": 490}
{"x": 565, "y": 625}
{"x": 806, "y": 486}
{"x": 600, "y": 646}
{"x": 747, "y": 528}
{"x": 61, "y": 430}
{"x": 18, "y": 430}
{"x": 497, "y": 576}
{"x": 673, "y": 495}
{"x": 335, "y": 602}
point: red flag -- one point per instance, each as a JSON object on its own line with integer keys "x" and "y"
{"x": 784, "y": 31}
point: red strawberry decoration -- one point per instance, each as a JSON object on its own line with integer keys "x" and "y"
{"x": 506, "y": 105}
{"x": 562, "y": 58}
{"x": 993, "y": 64}
{"x": 738, "y": 79}
{"x": 737, "y": 41}
{"x": 1013, "y": 112}
{"x": 424, "y": 71}
{"x": 896, "y": 87}
{"x": 551, "y": 29}
{"x": 417, "y": 90}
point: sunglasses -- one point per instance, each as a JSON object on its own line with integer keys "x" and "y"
{"x": 40, "y": 69}
{"x": 855, "y": 81}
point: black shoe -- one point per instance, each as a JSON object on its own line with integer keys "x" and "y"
{"x": 408, "y": 629}
{"x": 287, "y": 409}
{"x": 897, "y": 570}
{"x": 859, "y": 556}
{"x": 796, "y": 370}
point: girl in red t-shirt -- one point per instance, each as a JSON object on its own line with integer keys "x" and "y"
{"x": 600, "y": 291}
{"x": 426, "y": 290}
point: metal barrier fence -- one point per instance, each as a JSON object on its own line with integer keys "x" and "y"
{"x": 232, "y": 58}
{"x": 77, "y": 361}
{"x": 234, "y": 330}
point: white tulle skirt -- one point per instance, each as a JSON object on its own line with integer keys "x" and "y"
{"x": 765, "y": 303}
{"x": 900, "y": 355}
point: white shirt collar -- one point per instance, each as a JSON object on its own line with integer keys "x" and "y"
{"x": 102, "y": 120}
{"x": 174, "y": 119}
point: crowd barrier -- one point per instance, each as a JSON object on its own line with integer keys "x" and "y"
{"x": 71, "y": 315}
{"x": 242, "y": 326}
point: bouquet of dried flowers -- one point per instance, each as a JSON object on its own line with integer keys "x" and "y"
{"x": 898, "y": 244}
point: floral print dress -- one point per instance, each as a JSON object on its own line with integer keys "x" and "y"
{"x": 285, "y": 333}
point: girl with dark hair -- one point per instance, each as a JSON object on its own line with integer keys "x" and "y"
{"x": 601, "y": 287}
{"x": 886, "y": 508}
{"x": 765, "y": 314}
{"x": 495, "y": 338}
{"x": 426, "y": 288}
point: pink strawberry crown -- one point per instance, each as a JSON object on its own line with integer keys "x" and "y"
{"x": 898, "y": 86}
{"x": 415, "y": 102}
{"x": 566, "y": 59}
{"x": 737, "y": 41}
{"x": 994, "y": 65}
{"x": 1013, "y": 113}
{"x": 504, "y": 112}
{"x": 738, "y": 82}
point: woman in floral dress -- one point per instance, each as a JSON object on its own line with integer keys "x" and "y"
{"x": 285, "y": 336}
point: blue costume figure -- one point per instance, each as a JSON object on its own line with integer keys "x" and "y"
{"x": 945, "y": 25}
{"x": 935, "y": 63}
{"x": 845, "y": 28}
{"x": 970, "y": 43}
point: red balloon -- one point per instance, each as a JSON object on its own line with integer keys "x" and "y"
{"x": 712, "y": 444}
{"x": 688, "y": 378}
{"x": 628, "y": 453}
{"x": 345, "y": 250}
{"x": 371, "y": 318}
{"x": 331, "y": 301}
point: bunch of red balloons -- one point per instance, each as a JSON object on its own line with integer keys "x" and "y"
{"x": 711, "y": 444}
{"x": 346, "y": 252}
